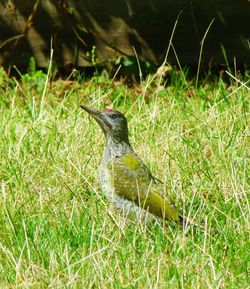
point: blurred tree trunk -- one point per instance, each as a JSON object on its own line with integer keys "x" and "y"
{"x": 86, "y": 33}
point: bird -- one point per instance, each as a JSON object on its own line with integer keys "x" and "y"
{"x": 125, "y": 179}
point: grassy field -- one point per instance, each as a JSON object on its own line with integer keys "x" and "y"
{"x": 57, "y": 230}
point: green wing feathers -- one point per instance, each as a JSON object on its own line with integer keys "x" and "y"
{"x": 129, "y": 177}
{"x": 159, "y": 206}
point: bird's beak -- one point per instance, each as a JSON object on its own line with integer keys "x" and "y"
{"x": 95, "y": 113}
{"x": 98, "y": 116}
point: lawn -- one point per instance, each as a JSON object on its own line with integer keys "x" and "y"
{"x": 57, "y": 230}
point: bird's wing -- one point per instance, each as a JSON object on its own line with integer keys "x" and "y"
{"x": 131, "y": 179}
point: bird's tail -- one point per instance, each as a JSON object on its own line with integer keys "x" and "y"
{"x": 184, "y": 223}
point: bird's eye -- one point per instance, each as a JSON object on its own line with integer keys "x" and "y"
{"x": 113, "y": 116}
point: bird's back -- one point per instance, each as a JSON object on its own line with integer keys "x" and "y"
{"x": 127, "y": 182}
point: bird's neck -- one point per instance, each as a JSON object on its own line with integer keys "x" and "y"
{"x": 116, "y": 148}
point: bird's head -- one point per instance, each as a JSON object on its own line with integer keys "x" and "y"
{"x": 112, "y": 122}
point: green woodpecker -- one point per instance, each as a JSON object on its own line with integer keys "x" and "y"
{"x": 125, "y": 179}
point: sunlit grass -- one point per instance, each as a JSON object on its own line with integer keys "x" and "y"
{"x": 57, "y": 230}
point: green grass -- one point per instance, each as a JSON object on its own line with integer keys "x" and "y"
{"x": 57, "y": 230}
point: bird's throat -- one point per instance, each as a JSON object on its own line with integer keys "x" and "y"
{"x": 116, "y": 148}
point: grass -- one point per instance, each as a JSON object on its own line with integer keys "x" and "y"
{"x": 57, "y": 230}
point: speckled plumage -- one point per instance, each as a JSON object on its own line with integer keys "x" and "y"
{"x": 116, "y": 179}
{"x": 125, "y": 179}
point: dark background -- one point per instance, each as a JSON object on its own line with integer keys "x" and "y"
{"x": 114, "y": 27}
